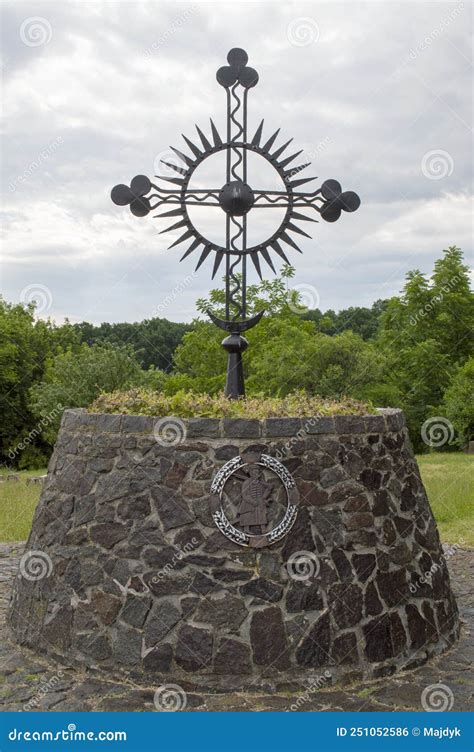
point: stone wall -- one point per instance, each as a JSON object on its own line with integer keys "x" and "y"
{"x": 125, "y": 569}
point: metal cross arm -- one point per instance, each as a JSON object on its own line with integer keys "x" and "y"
{"x": 237, "y": 198}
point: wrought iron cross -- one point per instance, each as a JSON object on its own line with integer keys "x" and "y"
{"x": 236, "y": 198}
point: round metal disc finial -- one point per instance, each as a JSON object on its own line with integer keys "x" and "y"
{"x": 121, "y": 195}
{"x": 237, "y": 58}
{"x": 237, "y": 70}
{"x": 337, "y": 201}
{"x": 140, "y": 207}
{"x": 134, "y": 196}
{"x": 227, "y": 76}
{"x": 236, "y": 198}
{"x": 248, "y": 78}
{"x": 350, "y": 201}
{"x": 140, "y": 185}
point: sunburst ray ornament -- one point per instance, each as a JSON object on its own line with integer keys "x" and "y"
{"x": 237, "y": 198}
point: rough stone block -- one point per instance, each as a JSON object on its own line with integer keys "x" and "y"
{"x": 263, "y": 589}
{"x": 374, "y": 423}
{"x": 194, "y": 648}
{"x": 323, "y": 424}
{"x": 349, "y": 424}
{"x": 282, "y": 426}
{"x": 313, "y": 651}
{"x": 232, "y": 657}
{"x": 108, "y": 423}
{"x": 243, "y": 428}
{"x": 138, "y": 424}
{"x": 205, "y": 427}
{"x": 268, "y": 639}
{"x": 162, "y": 618}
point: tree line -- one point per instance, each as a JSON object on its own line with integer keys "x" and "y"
{"x": 413, "y": 351}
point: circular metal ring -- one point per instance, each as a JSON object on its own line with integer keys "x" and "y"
{"x": 233, "y": 533}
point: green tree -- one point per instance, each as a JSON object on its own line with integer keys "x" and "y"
{"x": 153, "y": 340}
{"x": 458, "y": 403}
{"x": 286, "y": 352}
{"x": 425, "y": 335}
{"x": 362, "y": 321}
{"x": 75, "y": 379}
{"x": 24, "y": 347}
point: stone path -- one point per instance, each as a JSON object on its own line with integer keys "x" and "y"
{"x": 29, "y": 682}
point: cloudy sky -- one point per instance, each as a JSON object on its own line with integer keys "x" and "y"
{"x": 377, "y": 95}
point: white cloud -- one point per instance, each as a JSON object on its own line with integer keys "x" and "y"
{"x": 118, "y": 82}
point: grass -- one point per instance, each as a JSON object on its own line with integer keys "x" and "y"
{"x": 17, "y": 505}
{"x": 140, "y": 401}
{"x": 448, "y": 480}
{"x": 449, "y": 483}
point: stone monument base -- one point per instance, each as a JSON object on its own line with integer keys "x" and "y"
{"x": 126, "y": 571}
